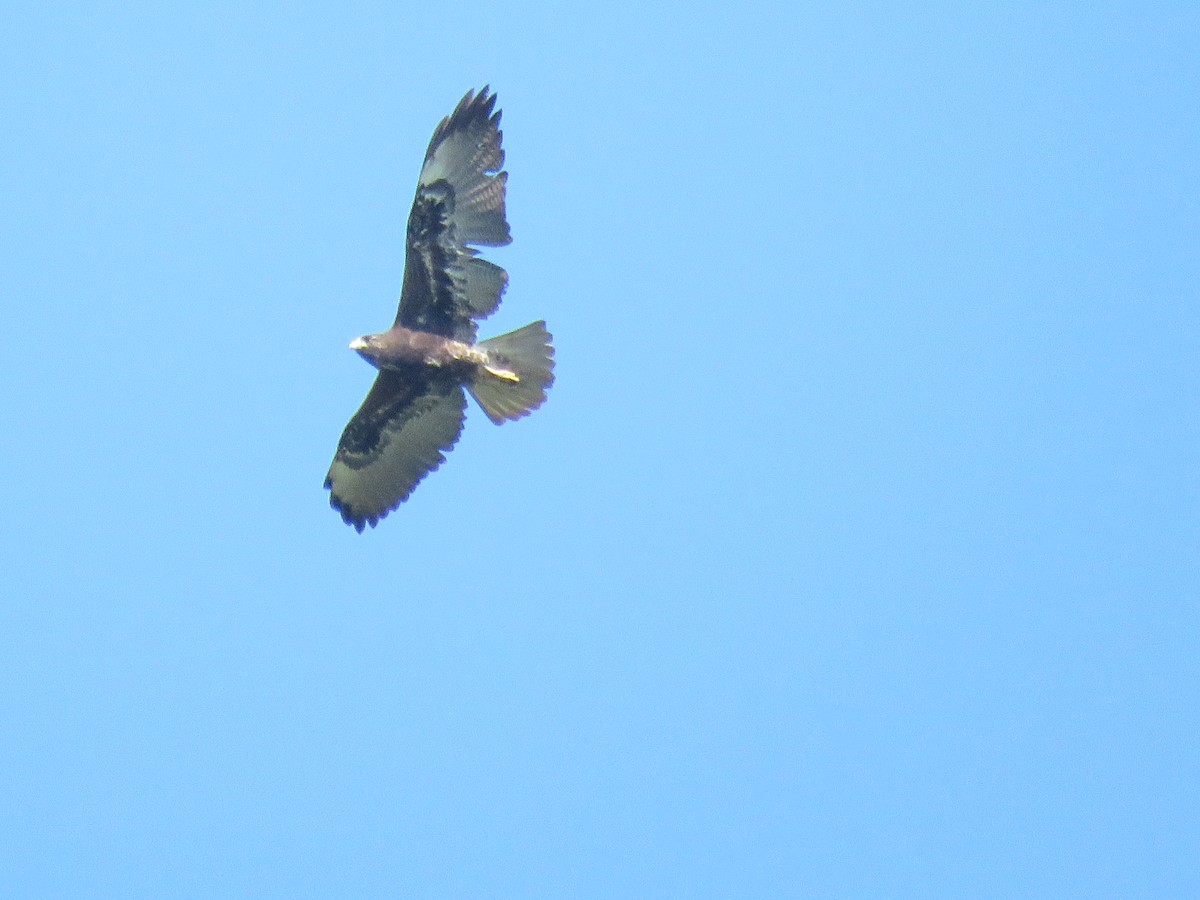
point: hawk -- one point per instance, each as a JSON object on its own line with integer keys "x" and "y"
{"x": 414, "y": 412}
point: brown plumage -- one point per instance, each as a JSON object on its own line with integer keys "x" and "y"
{"x": 413, "y": 413}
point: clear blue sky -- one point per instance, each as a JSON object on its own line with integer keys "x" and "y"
{"x": 855, "y": 554}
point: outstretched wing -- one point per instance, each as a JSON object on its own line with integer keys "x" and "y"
{"x": 459, "y": 202}
{"x": 397, "y": 437}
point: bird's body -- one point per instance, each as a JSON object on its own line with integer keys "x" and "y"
{"x": 429, "y": 357}
{"x": 399, "y": 347}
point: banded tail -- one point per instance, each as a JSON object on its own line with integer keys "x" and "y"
{"x": 519, "y": 371}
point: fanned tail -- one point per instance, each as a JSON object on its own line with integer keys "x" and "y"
{"x": 519, "y": 371}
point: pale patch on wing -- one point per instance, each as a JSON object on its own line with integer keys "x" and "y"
{"x": 466, "y": 153}
{"x": 369, "y": 478}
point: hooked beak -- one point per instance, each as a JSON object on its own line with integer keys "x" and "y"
{"x": 358, "y": 344}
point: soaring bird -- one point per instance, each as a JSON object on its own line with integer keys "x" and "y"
{"x": 414, "y": 412}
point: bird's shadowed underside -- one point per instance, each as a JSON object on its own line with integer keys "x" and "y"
{"x": 429, "y": 358}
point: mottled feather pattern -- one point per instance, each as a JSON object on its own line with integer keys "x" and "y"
{"x": 399, "y": 443}
{"x": 362, "y": 439}
{"x": 460, "y": 201}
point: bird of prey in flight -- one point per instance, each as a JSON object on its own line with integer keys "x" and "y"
{"x": 414, "y": 412}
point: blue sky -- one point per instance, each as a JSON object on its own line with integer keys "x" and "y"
{"x": 855, "y": 554}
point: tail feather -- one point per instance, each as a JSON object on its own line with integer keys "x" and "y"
{"x": 519, "y": 371}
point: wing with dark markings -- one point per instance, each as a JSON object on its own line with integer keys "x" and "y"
{"x": 459, "y": 203}
{"x": 397, "y": 437}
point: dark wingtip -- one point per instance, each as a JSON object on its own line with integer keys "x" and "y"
{"x": 355, "y": 520}
{"x": 472, "y": 106}
{"x": 481, "y": 105}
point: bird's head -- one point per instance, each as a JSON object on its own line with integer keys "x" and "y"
{"x": 367, "y": 347}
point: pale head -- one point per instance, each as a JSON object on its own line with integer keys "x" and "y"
{"x": 367, "y": 347}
